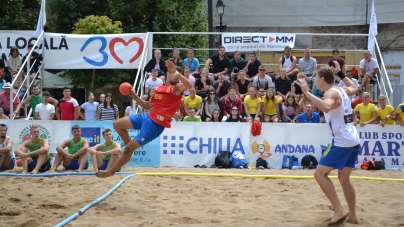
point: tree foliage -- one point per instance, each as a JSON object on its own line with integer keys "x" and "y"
{"x": 136, "y": 17}
{"x": 18, "y": 15}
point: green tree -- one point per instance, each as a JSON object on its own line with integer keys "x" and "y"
{"x": 136, "y": 17}
{"x": 94, "y": 25}
{"x": 19, "y": 15}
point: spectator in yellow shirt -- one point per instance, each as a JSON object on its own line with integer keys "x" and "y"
{"x": 366, "y": 110}
{"x": 252, "y": 105}
{"x": 269, "y": 106}
{"x": 385, "y": 113}
{"x": 400, "y": 114}
{"x": 193, "y": 101}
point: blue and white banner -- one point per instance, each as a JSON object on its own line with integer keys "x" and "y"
{"x": 147, "y": 155}
{"x": 94, "y": 51}
{"x": 276, "y": 140}
{"x": 245, "y": 42}
{"x": 187, "y": 144}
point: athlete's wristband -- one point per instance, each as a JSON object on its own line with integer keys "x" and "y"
{"x": 176, "y": 73}
{"x": 341, "y": 75}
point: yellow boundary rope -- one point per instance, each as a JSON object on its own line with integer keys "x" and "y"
{"x": 257, "y": 176}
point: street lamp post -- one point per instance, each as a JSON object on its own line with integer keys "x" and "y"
{"x": 220, "y": 10}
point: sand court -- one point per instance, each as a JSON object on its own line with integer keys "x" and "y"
{"x": 196, "y": 201}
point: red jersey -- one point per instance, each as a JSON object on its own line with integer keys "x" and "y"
{"x": 164, "y": 105}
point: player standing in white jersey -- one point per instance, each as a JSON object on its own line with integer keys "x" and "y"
{"x": 343, "y": 150}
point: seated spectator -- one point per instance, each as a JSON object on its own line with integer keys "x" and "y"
{"x": 191, "y": 117}
{"x": 242, "y": 85}
{"x": 366, "y": 111}
{"x": 90, "y": 108}
{"x": 35, "y": 60}
{"x": 261, "y": 93}
{"x": 220, "y": 64}
{"x": 216, "y": 117}
{"x": 368, "y": 69}
{"x": 290, "y": 109}
{"x": 221, "y": 86}
{"x": 156, "y": 63}
{"x": 385, "y": 113}
{"x": 212, "y": 103}
{"x": 230, "y": 101}
{"x": 75, "y": 158}
{"x": 153, "y": 82}
{"x": 7, "y": 156}
{"x": 269, "y": 106}
{"x": 400, "y": 114}
{"x": 19, "y": 82}
{"x": 34, "y": 153}
{"x": 308, "y": 116}
{"x": 2, "y": 115}
{"x": 45, "y": 110}
{"x": 235, "y": 116}
{"x": 288, "y": 62}
{"x": 296, "y": 90}
{"x": 262, "y": 80}
{"x": 359, "y": 99}
{"x": 236, "y": 64}
{"x": 308, "y": 65}
{"x": 2, "y": 80}
{"x": 251, "y": 67}
{"x": 283, "y": 86}
{"x": 341, "y": 61}
{"x": 105, "y": 155}
{"x": 202, "y": 86}
{"x": 193, "y": 101}
{"x": 108, "y": 111}
{"x": 192, "y": 63}
{"x": 5, "y": 100}
{"x": 190, "y": 78}
{"x": 14, "y": 62}
{"x": 252, "y": 106}
{"x": 176, "y": 58}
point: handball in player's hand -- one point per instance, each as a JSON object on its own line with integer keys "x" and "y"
{"x": 125, "y": 88}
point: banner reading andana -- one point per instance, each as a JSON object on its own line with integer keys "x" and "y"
{"x": 94, "y": 51}
{"x": 245, "y": 42}
{"x": 276, "y": 140}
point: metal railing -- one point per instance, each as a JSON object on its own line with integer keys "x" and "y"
{"x": 384, "y": 81}
{"x": 26, "y": 80}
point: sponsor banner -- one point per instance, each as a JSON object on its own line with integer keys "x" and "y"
{"x": 50, "y": 130}
{"x": 148, "y": 155}
{"x": 19, "y": 39}
{"x": 257, "y": 41}
{"x": 276, "y": 140}
{"x": 189, "y": 144}
{"x": 93, "y": 51}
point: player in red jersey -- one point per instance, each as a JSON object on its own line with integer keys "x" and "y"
{"x": 163, "y": 105}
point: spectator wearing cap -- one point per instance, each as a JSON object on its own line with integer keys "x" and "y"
{"x": 5, "y": 99}
{"x": 308, "y": 116}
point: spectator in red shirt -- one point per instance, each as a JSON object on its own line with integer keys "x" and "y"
{"x": 5, "y": 99}
{"x": 68, "y": 107}
{"x": 229, "y": 101}
{"x": 359, "y": 99}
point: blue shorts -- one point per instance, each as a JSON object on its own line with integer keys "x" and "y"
{"x": 11, "y": 166}
{"x": 340, "y": 157}
{"x": 104, "y": 165}
{"x": 45, "y": 167}
{"x": 149, "y": 130}
{"x": 74, "y": 165}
